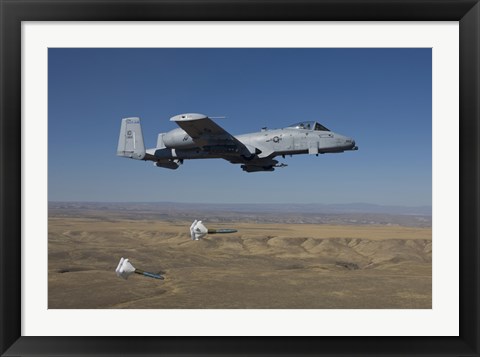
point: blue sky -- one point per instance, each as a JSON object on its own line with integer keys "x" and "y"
{"x": 380, "y": 97}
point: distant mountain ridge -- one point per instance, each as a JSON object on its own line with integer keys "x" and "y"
{"x": 317, "y": 208}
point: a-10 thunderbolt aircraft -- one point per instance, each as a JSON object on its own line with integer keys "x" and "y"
{"x": 199, "y": 137}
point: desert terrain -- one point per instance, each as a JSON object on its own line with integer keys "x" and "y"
{"x": 352, "y": 264}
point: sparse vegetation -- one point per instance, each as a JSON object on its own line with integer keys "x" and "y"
{"x": 263, "y": 265}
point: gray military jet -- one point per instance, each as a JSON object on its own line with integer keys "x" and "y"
{"x": 199, "y": 137}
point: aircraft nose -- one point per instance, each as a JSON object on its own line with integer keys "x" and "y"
{"x": 354, "y": 147}
{"x": 351, "y": 144}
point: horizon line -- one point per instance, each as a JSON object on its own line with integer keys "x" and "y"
{"x": 250, "y": 203}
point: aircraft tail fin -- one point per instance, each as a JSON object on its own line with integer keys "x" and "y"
{"x": 130, "y": 142}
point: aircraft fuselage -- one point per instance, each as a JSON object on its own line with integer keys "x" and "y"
{"x": 179, "y": 145}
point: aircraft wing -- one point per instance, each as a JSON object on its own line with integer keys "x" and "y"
{"x": 206, "y": 133}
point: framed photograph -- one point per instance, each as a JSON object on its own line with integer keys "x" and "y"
{"x": 335, "y": 199}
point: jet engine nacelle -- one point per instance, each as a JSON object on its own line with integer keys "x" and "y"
{"x": 177, "y": 139}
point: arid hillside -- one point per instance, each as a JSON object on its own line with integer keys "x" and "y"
{"x": 263, "y": 265}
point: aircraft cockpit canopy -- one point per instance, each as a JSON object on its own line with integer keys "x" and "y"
{"x": 309, "y": 125}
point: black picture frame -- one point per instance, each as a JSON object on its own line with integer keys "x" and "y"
{"x": 13, "y": 12}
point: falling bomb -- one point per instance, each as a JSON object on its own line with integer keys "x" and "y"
{"x": 198, "y": 230}
{"x": 125, "y": 269}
